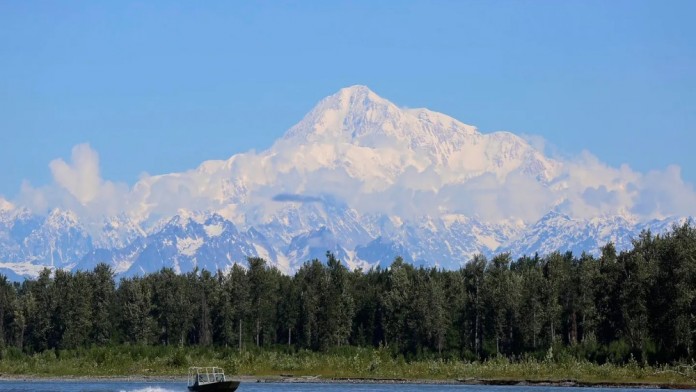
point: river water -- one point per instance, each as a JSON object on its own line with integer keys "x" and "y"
{"x": 119, "y": 386}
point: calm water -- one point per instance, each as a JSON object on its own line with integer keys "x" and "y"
{"x": 64, "y": 386}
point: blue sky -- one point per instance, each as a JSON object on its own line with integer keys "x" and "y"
{"x": 159, "y": 87}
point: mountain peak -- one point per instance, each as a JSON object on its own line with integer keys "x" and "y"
{"x": 357, "y": 94}
{"x": 336, "y": 116}
{"x": 359, "y": 133}
{"x": 62, "y": 218}
{"x": 357, "y": 115}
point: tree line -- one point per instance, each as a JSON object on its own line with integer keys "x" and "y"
{"x": 638, "y": 305}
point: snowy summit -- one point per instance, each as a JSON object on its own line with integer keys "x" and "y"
{"x": 357, "y": 176}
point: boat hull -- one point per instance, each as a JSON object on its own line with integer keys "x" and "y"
{"x": 222, "y": 386}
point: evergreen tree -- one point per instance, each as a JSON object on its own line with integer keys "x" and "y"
{"x": 337, "y": 305}
{"x": 134, "y": 305}
{"x": 73, "y": 317}
{"x": 222, "y": 313}
{"x": 437, "y": 318}
{"x": 288, "y": 308}
{"x": 237, "y": 287}
{"x": 103, "y": 300}
{"x": 7, "y": 296}
{"x": 263, "y": 294}
{"x": 501, "y": 301}
{"x": 39, "y": 310}
{"x": 587, "y": 274}
{"x": 312, "y": 285}
{"x": 608, "y": 300}
{"x": 397, "y": 302}
{"x": 474, "y": 273}
{"x": 531, "y": 300}
{"x": 172, "y": 309}
{"x": 640, "y": 302}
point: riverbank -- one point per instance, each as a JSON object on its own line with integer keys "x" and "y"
{"x": 316, "y": 379}
{"x": 351, "y": 365}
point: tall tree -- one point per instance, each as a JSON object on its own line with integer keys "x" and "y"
{"x": 587, "y": 274}
{"x": 501, "y": 301}
{"x": 223, "y": 321}
{"x": 555, "y": 286}
{"x": 635, "y": 284}
{"x": 311, "y": 284}
{"x": 237, "y": 286}
{"x": 674, "y": 307}
{"x": 263, "y": 293}
{"x": 172, "y": 306}
{"x": 135, "y": 309}
{"x": 103, "y": 300}
{"x": 202, "y": 295}
{"x": 531, "y": 300}
{"x": 73, "y": 315}
{"x": 438, "y": 316}
{"x": 337, "y": 304}
{"x": 397, "y": 301}
{"x": 7, "y": 296}
{"x": 474, "y": 273}
{"x": 288, "y": 307}
{"x": 608, "y": 300}
{"x": 39, "y": 308}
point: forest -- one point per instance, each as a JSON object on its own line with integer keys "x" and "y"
{"x": 637, "y": 305}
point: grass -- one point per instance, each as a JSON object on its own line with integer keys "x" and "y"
{"x": 348, "y": 362}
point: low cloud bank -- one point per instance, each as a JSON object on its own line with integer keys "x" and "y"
{"x": 585, "y": 188}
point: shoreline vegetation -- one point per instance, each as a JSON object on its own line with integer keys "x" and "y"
{"x": 347, "y": 365}
{"x": 623, "y": 318}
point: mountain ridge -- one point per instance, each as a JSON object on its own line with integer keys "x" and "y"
{"x": 357, "y": 176}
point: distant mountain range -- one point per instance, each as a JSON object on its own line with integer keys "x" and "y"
{"x": 358, "y": 176}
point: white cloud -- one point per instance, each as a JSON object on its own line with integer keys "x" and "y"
{"x": 590, "y": 188}
{"x": 494, "y": 199}
{"x": 584, "y": 187}
{"x": 77, "y": 186}
{"x": 664, "y": 193}
{"x": 81, "y": 177}
{"x": 247, "y": 183}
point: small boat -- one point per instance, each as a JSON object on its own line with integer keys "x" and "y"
{"x": 205, "y": 379}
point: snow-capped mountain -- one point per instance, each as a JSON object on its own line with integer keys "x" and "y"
{"x": 357, "y": 176}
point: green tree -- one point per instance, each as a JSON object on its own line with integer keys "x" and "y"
{"x": 635, "y": 281}
{"x": 7, "y": 301}
{"x": 610, "y": 320}
{"x": 336, "y": 304}
{"x": 531, "y": 299}
{"x": 202, "y": 294}
{"x": 553, "y": 290}
{"x": 263, "y": 294}
{"x": 237, "y": 286}
{"x": 103, "y": 301}
{"x": 311, "y": 283}
{"x": 172, "y": 306}
{"x": 437, "y": 319}
{"x": 39, "y": 308}
{"x": 368, "y": 287}
{"x": 288, "y": 307}
{"x": 223, "y": 321}
{"x": 501, "y": 293}
{"x": 134, "y": 305}
{"x": 587, "y": 274}
{"x": 673, "y": 305}
{"x": 474, "y": 273}
{"x": 397, "y": 301}
{"x": 73, "y": 317}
